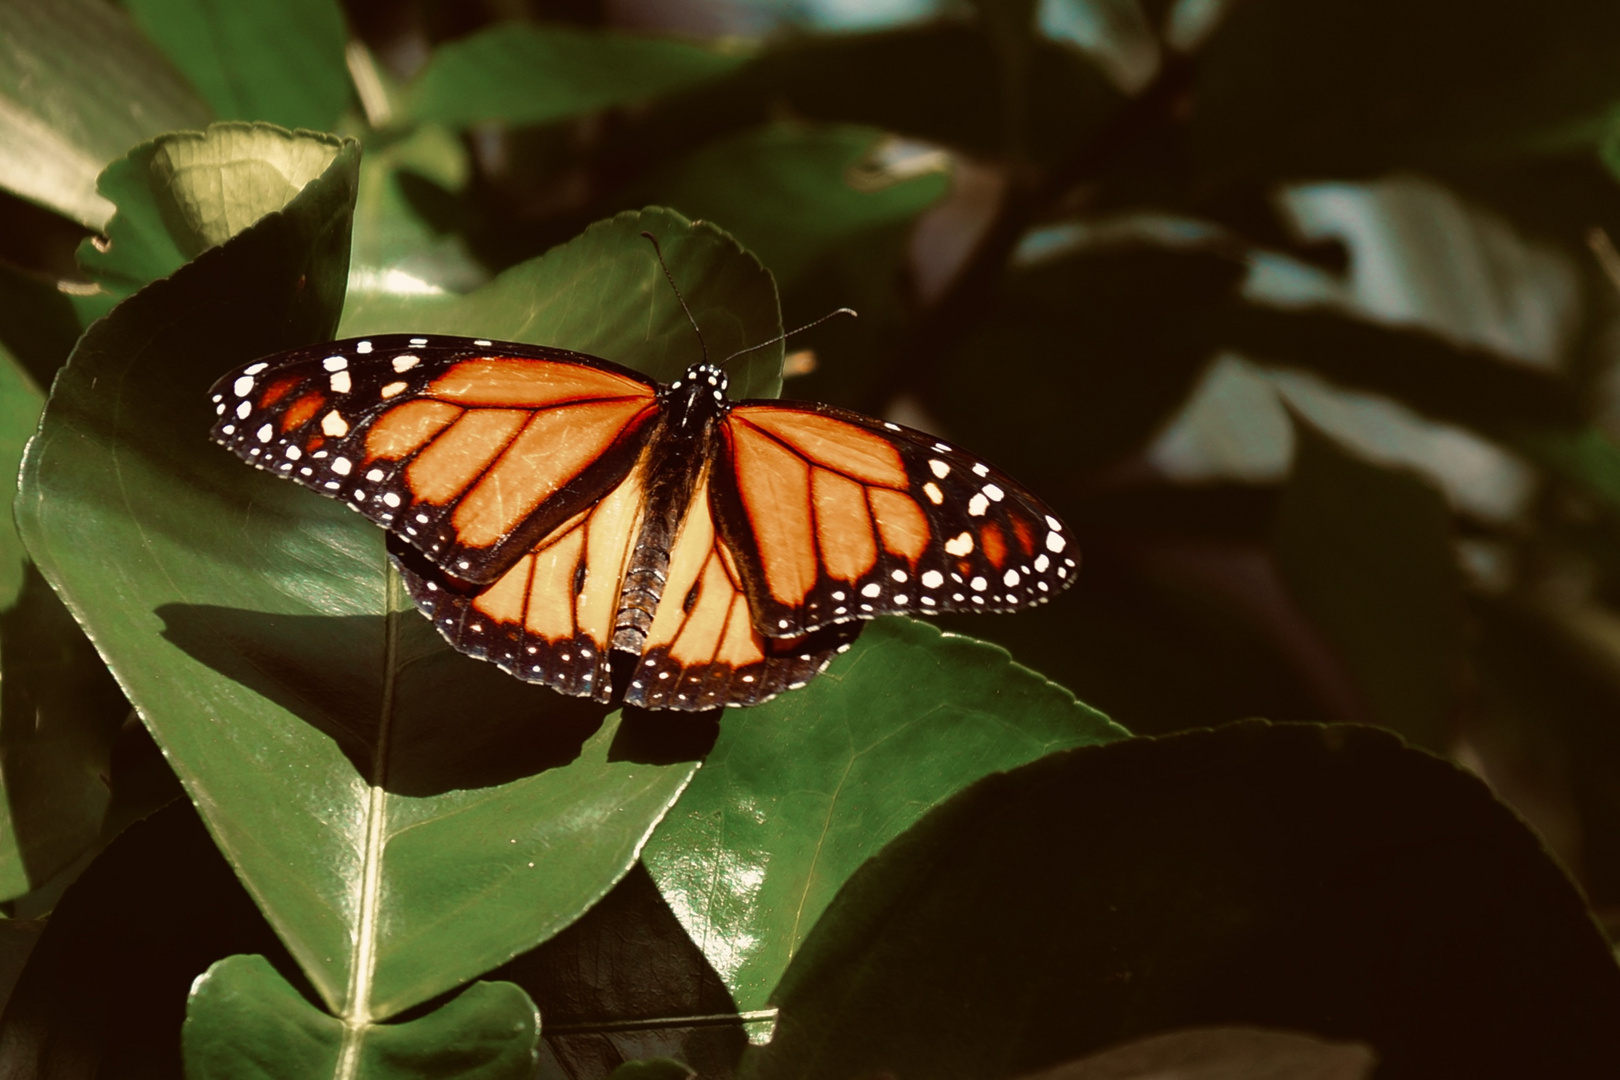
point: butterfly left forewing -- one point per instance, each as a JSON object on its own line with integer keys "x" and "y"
{"x": 834, "y": 516}
{"x": 468, "y": 451}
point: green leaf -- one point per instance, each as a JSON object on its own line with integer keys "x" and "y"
{"x": 279, "y": 61}
{"x": 1352, "y": 87}
{"x": 20, "y": 404}
{"x": 1322, "y": 880}
{"x": 1366, "y": 552}
{"x": 603, "y": 293}
{"x": 653, "y": 1069}
{"x": 525, "y": 74}
{"x": 244, "y": 1020}
{"x": 40, "y": 320}
{"x": 79, "y": 85}
{"x": 399, "y": 839}
{"x": 180, "y": 194}
{"x": 800, "y": 791}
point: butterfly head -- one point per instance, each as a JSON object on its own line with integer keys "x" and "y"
{"x": 704, "y": 377}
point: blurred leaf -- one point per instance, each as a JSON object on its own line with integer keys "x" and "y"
{"x": 602, "y": 293}
{"x": 396, "y": 249}
{"x": 938, "y": 82}
{"x": 243, "y": 1018}
{"x": 1079, "y": 365}
{"x": 1222, "y": 1053}
{"x": 78, "y": 86}
{"x": 1447, "y": 380}
{"x": 525, "y": 74}
{"x": 800, "y": 791}
{"x": 1549, "y": 688}
{"x": 104, "y": 991}
{"x": 279, "y": 61}
{"x": 1366, "y": 552}
{"x": 181, "y": 194}
{"x": 20, "y": 404}
{"x": 1324, "y": 880}
{"x": 1354, "y": 87}
{"x": 785, "y": 191}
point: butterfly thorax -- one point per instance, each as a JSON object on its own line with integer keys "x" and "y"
{"x": 693, "y": 407}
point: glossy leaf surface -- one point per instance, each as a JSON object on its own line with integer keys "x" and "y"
{"x": 79, "y": 85}
{"x": 244, "y": 1019}
{"x": 537, "y": 74}
{"x": 279, "y": 61}
{"x": 1323, "y": 880}
{"x": 179, "y": 195}
{"x": 1366, "y": 551}
{"x": 802, "y": 790}
{"x": 317, "y": 721}
{"x": 602, "y": 293}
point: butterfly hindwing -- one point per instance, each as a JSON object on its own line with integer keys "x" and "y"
{"x": 833, "y": 516}
{"x": 703, "y": 649}
{"x": 550, "y": 618}
{"x": 469, "y": 451}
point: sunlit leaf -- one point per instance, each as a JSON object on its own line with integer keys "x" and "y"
{"x": 800, "y": 791}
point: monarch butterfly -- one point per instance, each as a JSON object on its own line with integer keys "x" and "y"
{"x": 547, "y": 509}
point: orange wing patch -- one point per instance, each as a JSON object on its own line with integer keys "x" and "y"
{"x": 855, "y": 452}
{"x": 402, "y": 430}
{"x": 774, "y": 483}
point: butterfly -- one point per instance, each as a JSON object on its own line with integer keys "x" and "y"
{"x": 548, "y": 509}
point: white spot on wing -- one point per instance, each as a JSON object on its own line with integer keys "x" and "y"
{"x": 995, "y": 493}
{"x": 1054, "y": 542}
{"x": 933, "y": 579}
{"x": 978, "y": 504}
{"x": 254, "y": 369}
{"x": 335, "y": 363}
{"x": 939, "y": 468}
{"x": 265, "y": 432}
{"x": 405, "y": 362}
{"x": 341, "y": 466}
{"x": 872, "y": 590}
{"x": 393, "y": 388}
{"x": 959, "y": 545}
{"x": 243, "y": 386}
{"x": 363, "y": 347}
{"x": 935, "y": 496}
{"x": 340, "y": 382}
{"x": 334, "y": 425}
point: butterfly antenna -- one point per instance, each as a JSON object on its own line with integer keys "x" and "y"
{"x": 783, "y": 337}
{"x": 677, "y": 290}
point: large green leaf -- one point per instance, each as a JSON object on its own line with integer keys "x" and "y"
{"x": 1304, "y": 88}
{"x": 180, "y": 194}
{"x": 245, "y": 1020}
{"x": 1366, "y": 552}
{"x": 20, "y": 403}
{"x": 527, "y": 74}
{"x": 800, "y": 791}
{"x": 603, "y": 293}
{"x": 78, "y": 86}
{"x": 1323, "y": 880}
{"x": 406, "y": 817}
{"x": 274, "y": 60}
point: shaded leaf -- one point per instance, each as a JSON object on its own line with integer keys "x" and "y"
{"x": 279, "y": 61}
{"x": 78, "y": 86}
{"x": 653, "y": 1069}
{"x": 244, "y": 1019}
{"x": 1323, "y": 880}
{"x": 602, "y": 293}
{"x": 526, "y": 74}
{"x": 1366, "y": 552}
{"x": 40, "y": 321}
{"x": 800, "y": 791}
{"x": 181, "y": 194}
